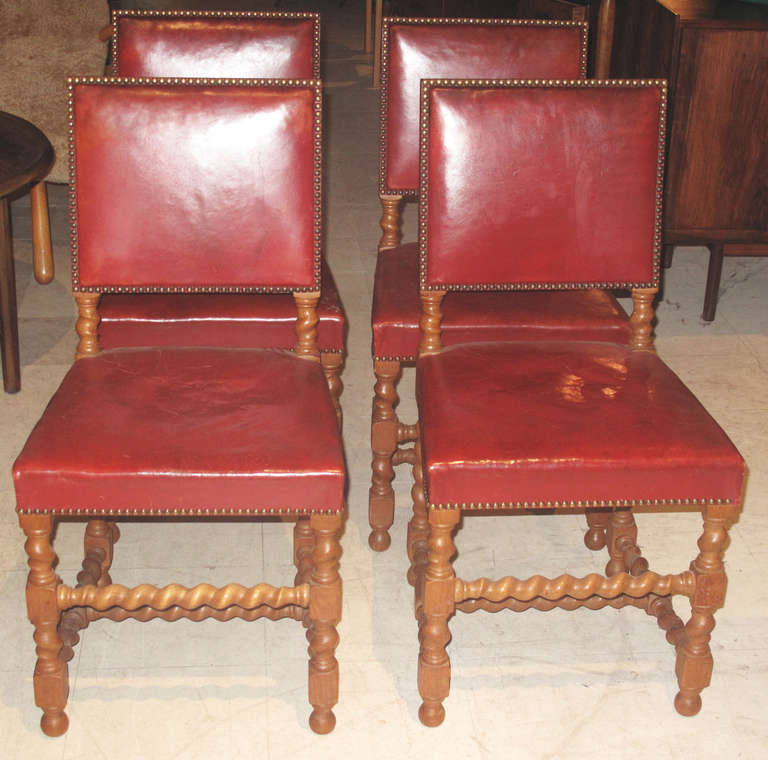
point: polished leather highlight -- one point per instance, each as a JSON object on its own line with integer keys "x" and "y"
{"x": 191, "y": 185}
{"x": 215, "y": 46}
{"x": 253, "y": 320}
{"x": 470, "y": 316}
{"x": 467, "y": 50}
{"x": 529, "y": 186}
{"x": 520, "y": 423}
{"x": 185, "y": 429}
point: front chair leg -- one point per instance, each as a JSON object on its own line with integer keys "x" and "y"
{"x": 381, "y": 497}
{"x": 694, "y": 657}
{"x": 51, "y": 679}
{"x": 324, "y": 615}
{"x": 439, "y": 605}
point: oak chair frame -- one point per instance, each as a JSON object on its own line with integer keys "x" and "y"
{"x": 332, "y": 360}
{"x": 628, "y": 581}
{"x": 390, "y": 438}
{"x": 59, "y": 611}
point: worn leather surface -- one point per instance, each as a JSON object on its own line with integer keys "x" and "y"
{"x": 534, "y": 185}
{"x": 471, "y": 316}
{"x": 431, "y": 51}
{"x": 189, "y": 185}
{"x": 229, "y": 320}
{"x": 542, "y": 422}
{"x": 171, "y": 429}
{"x": 281, "y": 48}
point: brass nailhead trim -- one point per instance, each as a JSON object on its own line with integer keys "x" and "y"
{"x": 255, "y": 15}
{"x": 413, "y": 193}
{"x": 585, "y": 503}
{"x": 181, "y": 512}
{"x": 427, "y": 85}
{"x": 315, "y": 84}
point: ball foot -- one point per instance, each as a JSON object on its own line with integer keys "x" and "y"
{"x": 379, "y": 540}
{"x": 322, "y": 721}
{"x": 687, "y": 704}
{"x": 54, "y": 724}
{"x": 432, "y": 714}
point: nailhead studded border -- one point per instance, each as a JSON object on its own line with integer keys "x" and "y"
{"x": 413, "y": 192}
{"x": 314, "y": 84}
{"x": 427, "y": 85}
{"x": 179, "y": 511}
{"x": 584, "y": 504}
{"x": 253, "y": 15}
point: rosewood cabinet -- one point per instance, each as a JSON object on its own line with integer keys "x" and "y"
{"x": 717, "y": 164}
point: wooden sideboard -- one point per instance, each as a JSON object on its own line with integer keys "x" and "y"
{"x": 717, "y": 161}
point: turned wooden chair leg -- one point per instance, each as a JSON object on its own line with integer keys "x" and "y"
{"x": 98, "y": 543}
{"x": 716, "y": 253}
{"x": 381, "y": 497}
{"x": 332, "y": 363}
{"x": 303, "y": 546}
{"x": 390, "y": 221}
{"x": 668, "y": 252}
{"x": 597, "y": 523}
{"x": 694, "y": 657}
{"x": 51, "y": 679}
{"x": 622, "y": 545}
{"x": 324, "y": 615}
{"x": 439, "y": 605}
{"x": 418, "y": 531}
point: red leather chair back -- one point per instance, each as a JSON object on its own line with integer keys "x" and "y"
{"x": 416, "y": 49}
{"x": 191, "y": 187}
{"x": 216, "y": 44}
{"x": 527, "y": 185}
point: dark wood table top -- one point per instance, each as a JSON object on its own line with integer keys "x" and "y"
{"x": 26, "y": 155}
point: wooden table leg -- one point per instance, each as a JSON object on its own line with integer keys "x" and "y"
{"x": 10, "y": 327}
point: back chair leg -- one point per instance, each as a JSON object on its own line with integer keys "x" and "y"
{"x": 694, "y": 657}
{"x": 418, "y": 531}
{"x": 439, "y": 605}
{"x": 622, "y": 545}
{"x": 51, "y": 678}
{"x": 390, "y": 221}
{"x": 381, "y": 497}
{"x": 324, "y": 615}
{"x": 98, "y": 545}
{"x": 597, "y": 522}
{"x": 332, "y": 363}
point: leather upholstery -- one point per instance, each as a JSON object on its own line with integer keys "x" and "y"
{"x": 469, "y": 317}
{"x": 188, "y": 185}
{"x": 252, "y": 320}
{"x": 460, "y": 48}
{"x": 185, "y": 429}
{"x": 555, "y": 185}
{"x": 529, "y": 423}
{"x": 216, "y": 45}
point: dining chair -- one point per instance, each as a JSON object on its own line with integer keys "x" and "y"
{"x": 191, "y": 433}
{"x": 560, "y": 185}
{"x": 414, "y": 49}
{"x": 224, "y": 44}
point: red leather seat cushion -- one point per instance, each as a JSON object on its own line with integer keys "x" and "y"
{"x": 538, "y": 423}
{"x": 159, "y": 431}
{"x": 226, "y": 320}
{"x": 473, "y": 316}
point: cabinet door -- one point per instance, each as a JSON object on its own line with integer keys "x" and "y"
{"x": 717, "y": 177}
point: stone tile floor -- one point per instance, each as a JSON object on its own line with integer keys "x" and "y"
{"x": 537, "y": 685}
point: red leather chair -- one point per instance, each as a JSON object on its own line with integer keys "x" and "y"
{"x": 220, "y": 44}
{"x": 188, "y": 432}
{"x": 561, "y": 184}
{"x": 414, "y": 49}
